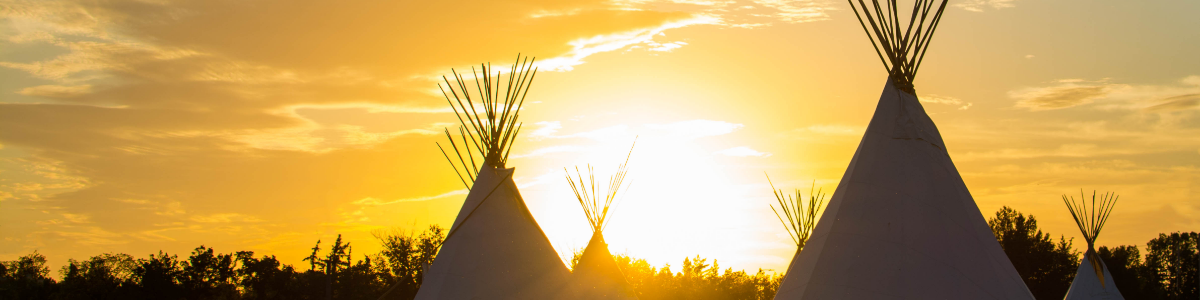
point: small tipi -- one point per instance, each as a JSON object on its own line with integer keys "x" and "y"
{"x": 596, "y": 275}
{"x": 901, "y": 223}
{"x": 1092, "y": 280}
{"x": 798, "y": 218}
{"x": 494, "y": 249}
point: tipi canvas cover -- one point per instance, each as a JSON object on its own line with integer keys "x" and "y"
{"x": 494, "y": 249}
{"x": 901, "y": 223}
{"x": 1087, "y": 286}
{"x": 597, "y": 276}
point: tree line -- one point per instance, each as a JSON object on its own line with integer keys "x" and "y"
{"x": 1168, "y": 270}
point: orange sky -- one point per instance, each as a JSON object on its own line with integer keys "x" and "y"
{"x": 138, "y": 126}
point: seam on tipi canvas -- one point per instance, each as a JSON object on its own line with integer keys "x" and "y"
{"x": 485, "y": 197}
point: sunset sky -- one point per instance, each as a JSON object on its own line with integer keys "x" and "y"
{"x": 265, "y": 125}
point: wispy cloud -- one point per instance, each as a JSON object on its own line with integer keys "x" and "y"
{"x": 371, "y": 201}
{"x": 585, "y": 47}
{"x": 935, "y": 99}
{"x": 981, "y": 5}
{"x": 742, "y": 151}
{"x": 1067, "y": 93}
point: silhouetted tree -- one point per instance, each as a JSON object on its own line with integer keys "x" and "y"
{"x": 1172, "y": 264}
{"x": 265, "y": 278}
{"x": 404, "y": 257}
{"x": 105, "y": 276}
{"x": 28, "y": 277}
{"x": 698, "y": 280}
{"x": 1125, "y": 265}
{"x": 208, "y": 275}
{"x": 1046, "y": 267}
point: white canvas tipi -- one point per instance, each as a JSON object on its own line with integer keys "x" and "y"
{"x": 901, "y": 223}
{"x": 596, "y": 275}
{"x": 1092, "y": 280}
{"x": 494, "y": 249}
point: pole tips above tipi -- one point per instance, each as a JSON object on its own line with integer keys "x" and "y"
{"x": 798, "y": 218}
{"x": 594, "y": 208}
{"x": 488, "y": 118}
{"x": 1090, "y": 216}
{"x": 902, "y": 223}
{"x": 900, "y": 47}
{"x": 596, "y": 274}
{"x": 495, "y": 249}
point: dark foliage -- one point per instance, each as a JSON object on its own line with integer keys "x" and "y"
{"x": 697, "y": 279}
{"x": 1046, "y": 266}
{"x": 27, "y": 277}
{"x": 207, "y": 274}
{"x": 1172, "y": 264}
{"x": 1125, "y": 265}
{"x": 1169, "y": 271}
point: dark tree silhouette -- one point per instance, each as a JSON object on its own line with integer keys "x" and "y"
{"x": 159, "y": 276}
{"x": 208, "y": 275}
{"x": 1046, "y": 267}
{"x": 265, "y": 278}
{"x": 1125, "y": 265}
{"x": 1169, "y": 271}
{"x": 1172, "y": 264}
{"x": 404, "y": 258}
{"x": 28, "y": 277}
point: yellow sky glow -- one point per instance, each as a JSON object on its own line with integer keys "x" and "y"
{"x": 135, "y": 126}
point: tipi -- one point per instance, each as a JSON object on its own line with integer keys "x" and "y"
{"x": 494, "y": 249}
{"x": 1092, "y": 280}
{"x": 901, "y": 223}
{"x": 798, "y": 219}
{"x": 596, "y": 275}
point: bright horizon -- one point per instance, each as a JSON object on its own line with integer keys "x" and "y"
{"x": 139, "y": 127}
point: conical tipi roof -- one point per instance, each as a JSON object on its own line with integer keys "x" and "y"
{"x": 1092, "y": 280}
{"x": 494, "y": 249}
{"x": 596, "y": 275}
{"x": 901, "y": 223}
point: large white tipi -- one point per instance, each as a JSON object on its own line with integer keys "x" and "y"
{"x": 494, "y": 249}
{"x": 596, "y": 275}
{"x": 901, "y": 223}
{"x": 1092, "y": 280}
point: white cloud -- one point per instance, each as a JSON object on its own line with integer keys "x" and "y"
{"x": 798, "y": 11}
{"x": 546, "y": 129}
{"x": 742, "y": 151}
{"x": 585, "y": 47}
